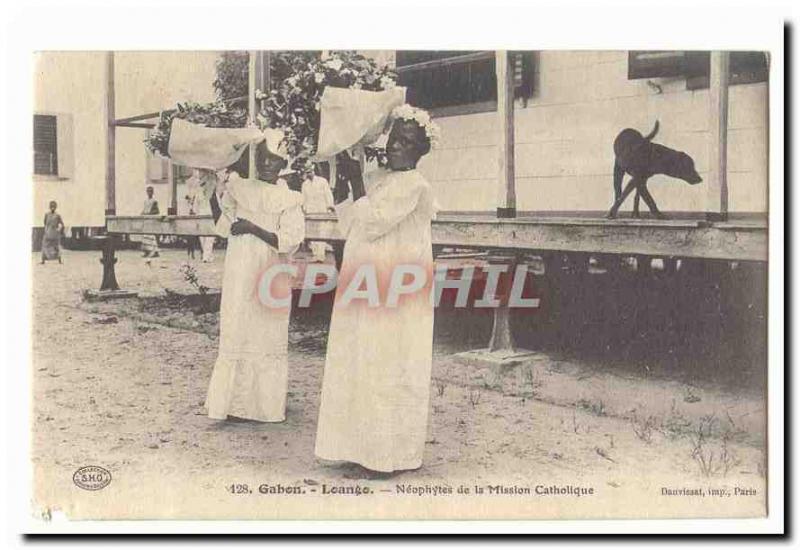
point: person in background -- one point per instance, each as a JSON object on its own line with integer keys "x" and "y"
{"x": 53, "y": 229}
{"x": 201, "y": 188}
{"x": 150, "y": 242}
{"x": 317, "y": 199}
{"x": 192, "y": 242}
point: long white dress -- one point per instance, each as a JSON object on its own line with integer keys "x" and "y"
{"x": 376, "y": 384}
{"x": 317, "y": 199}
{"x": 251, "y": 372}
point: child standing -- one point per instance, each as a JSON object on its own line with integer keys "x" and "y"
{"x": 53, "y": 229}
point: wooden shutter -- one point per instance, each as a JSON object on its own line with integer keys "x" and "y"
{"x": 45, "y": 145}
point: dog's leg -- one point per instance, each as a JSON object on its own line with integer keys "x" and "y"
{"x": 633, "y": 184}
{"x": 619, "y": 173}
{"x": 651, "y": 203}
{"x": 636, "y": 203}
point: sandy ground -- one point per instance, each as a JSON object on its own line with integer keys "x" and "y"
{"x": 123, "y": 388}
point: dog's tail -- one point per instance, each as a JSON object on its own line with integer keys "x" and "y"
{"x": 652, "y": 133}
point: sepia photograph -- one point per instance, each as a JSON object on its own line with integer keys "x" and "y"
{"x": 417, "y": 284}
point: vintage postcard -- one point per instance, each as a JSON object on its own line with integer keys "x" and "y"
{"x": 401, "y": 284}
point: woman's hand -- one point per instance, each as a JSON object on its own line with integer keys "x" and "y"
{"x": 242, "y": 227}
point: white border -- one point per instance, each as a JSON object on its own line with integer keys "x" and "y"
{"x": 376, "y": 24}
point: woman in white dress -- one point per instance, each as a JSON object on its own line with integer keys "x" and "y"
{"x": 376, "y": 384}
{"x": 264, "y": 224}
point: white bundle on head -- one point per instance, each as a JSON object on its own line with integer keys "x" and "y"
{"x": 350, "y": 117}
{"x": 196, "y": 146}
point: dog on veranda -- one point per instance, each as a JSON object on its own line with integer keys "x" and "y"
{"x": 638, "y": 156}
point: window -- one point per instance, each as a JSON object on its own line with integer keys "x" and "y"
{"x": 52, "y": 146}
{"x": 458, "y": 82}
{"x": 45, "y": 145}
{"x": 695, "y": 66}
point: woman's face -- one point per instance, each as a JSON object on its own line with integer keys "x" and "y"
{"x": 53, "y": 207}
{"x": 404, "y": 145}
{"x": 268, "y": 165}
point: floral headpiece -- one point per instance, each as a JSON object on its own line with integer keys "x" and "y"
{"x": 421, "y": 117}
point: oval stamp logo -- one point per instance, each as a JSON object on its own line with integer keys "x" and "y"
{"x": 91, "y": 478}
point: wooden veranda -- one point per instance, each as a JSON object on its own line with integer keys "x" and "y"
{"x": 506, "y": 232}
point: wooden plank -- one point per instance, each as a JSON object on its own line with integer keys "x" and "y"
{"x": 161, "y": 225}
{"x": 144, "y": 125}
{"x": 698, "y": 240}
{"x": 717, "y": 185}
{"x": 507, "y": 203}
{"x": 109, "y": 106}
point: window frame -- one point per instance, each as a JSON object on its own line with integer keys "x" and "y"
{"x": 692, "y": 65}
{"x": 525, "y": 89}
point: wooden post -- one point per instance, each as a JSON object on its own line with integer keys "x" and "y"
{"x": 251, "y": 109}
{"x": 172, "y": 209}
{"x": 717, "y": 203}
{"x": 502, "y": 339}
{"x": 507, "y": 204}
{"x": 111, "y": 207}
{"x": 502, "y": 350}
{"x": 262, "y": 75}
{"x": 258, "y": 79}
{"x": 109, "y": 282}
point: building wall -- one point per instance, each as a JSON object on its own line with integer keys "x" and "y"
{"x": 564, "y": 137}
{"x": 78, "y": 103}
{"x": 148, "y": 82}
{"x": 71, "y": 85}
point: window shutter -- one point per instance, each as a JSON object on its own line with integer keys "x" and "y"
{"x": 45, "y": 145}
{"x": 524, "y": 67}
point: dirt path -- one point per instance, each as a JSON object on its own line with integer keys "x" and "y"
{"x": 124, "y": 393}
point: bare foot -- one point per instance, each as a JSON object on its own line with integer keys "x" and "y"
{"x": 357, "y": 471}
{"x": 240, "y": 420}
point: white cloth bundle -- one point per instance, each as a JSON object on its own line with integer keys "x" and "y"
{"x": 351, "y": 117}
{"x": 211, "y": 148}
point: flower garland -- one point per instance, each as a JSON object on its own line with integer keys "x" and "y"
{"x": 292, "y": 104}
